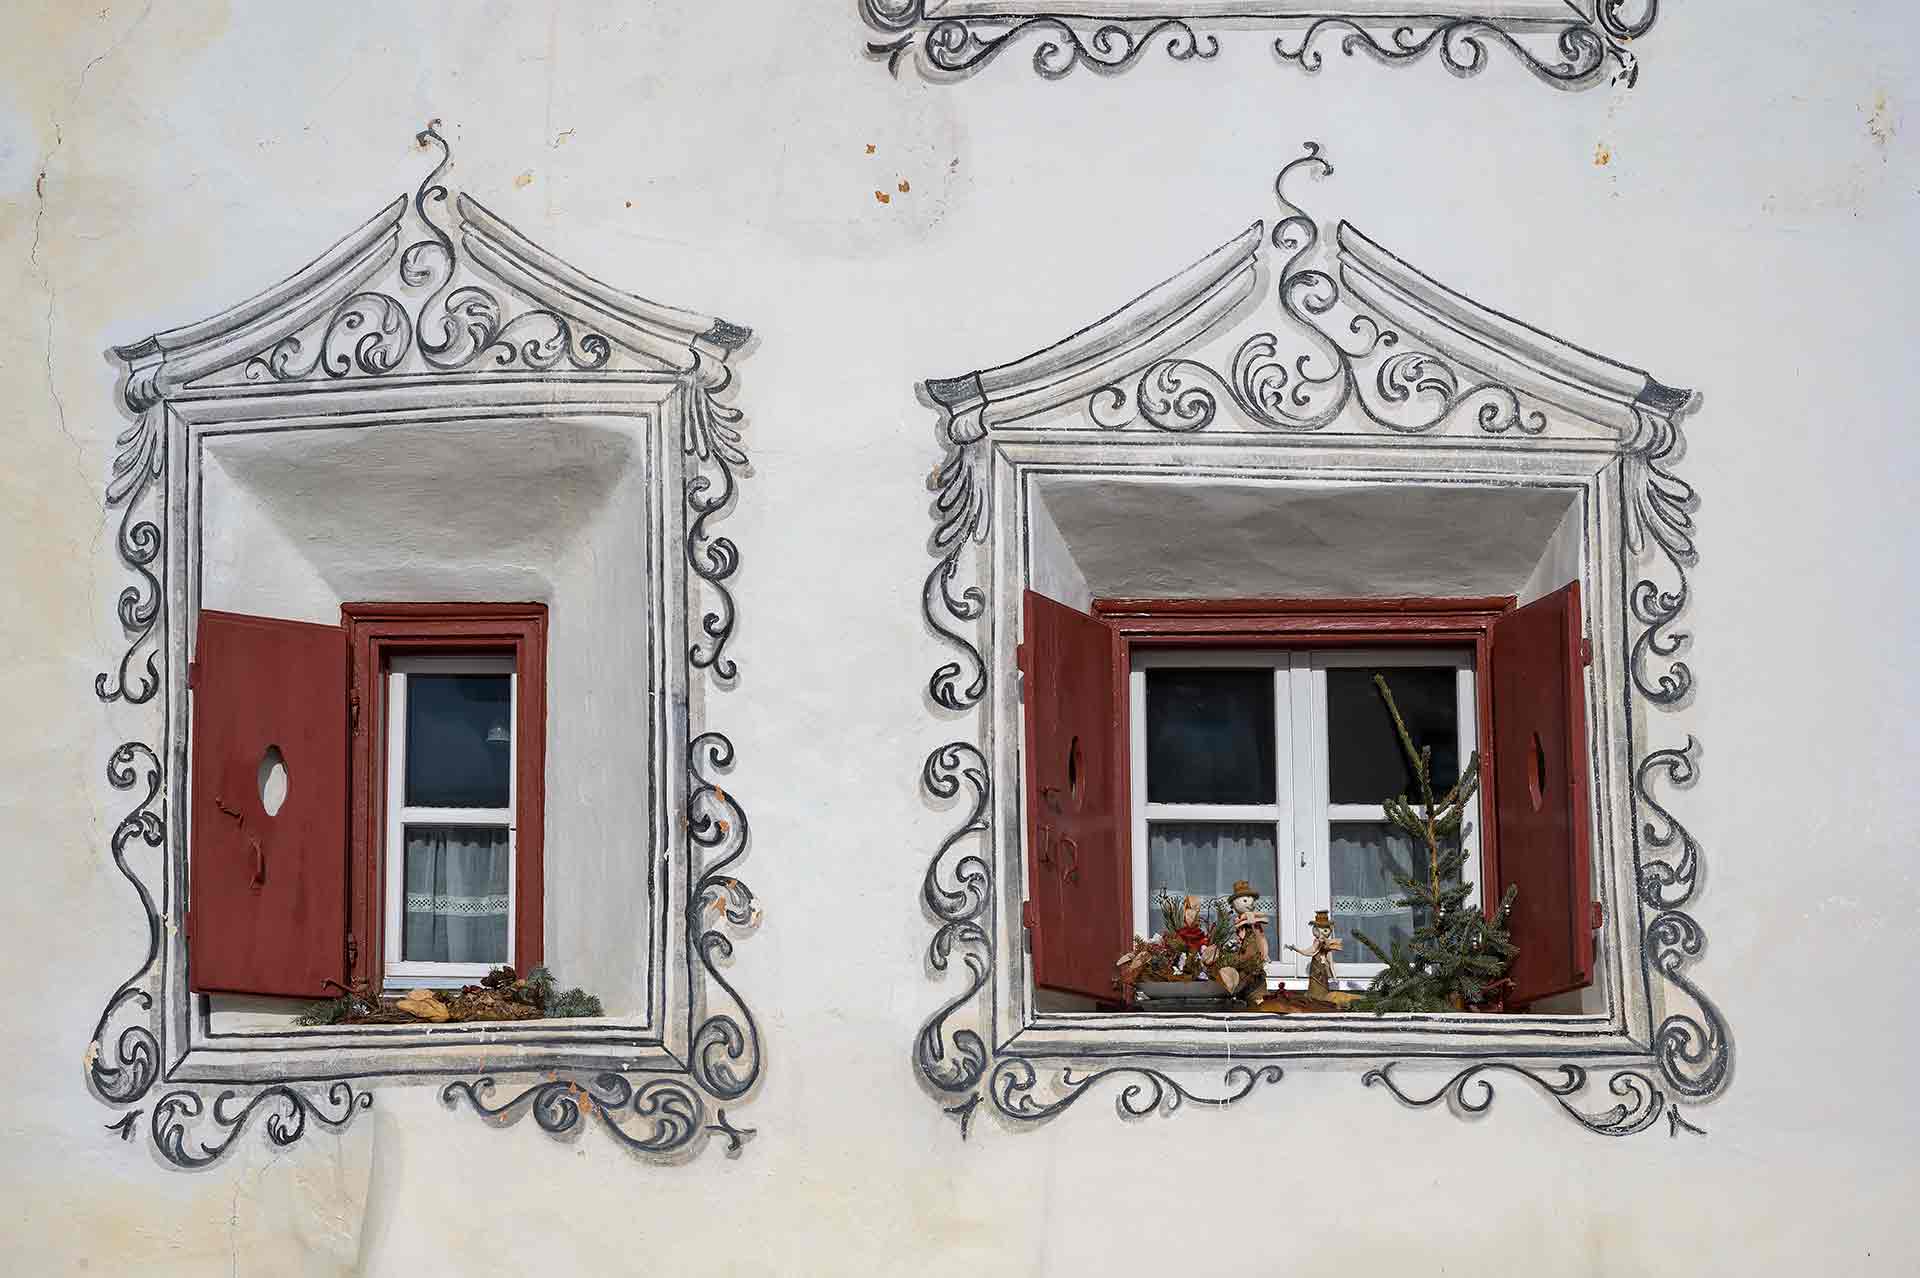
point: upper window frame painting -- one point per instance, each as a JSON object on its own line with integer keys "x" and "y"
{"x": 1368, "y": 388}
{"x": 421, "y": 341}
{"x": 1568, "y": 44}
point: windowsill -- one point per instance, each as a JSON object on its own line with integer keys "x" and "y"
{"x": 242, "y": 1016}
{"x": 1194, "y": 1035}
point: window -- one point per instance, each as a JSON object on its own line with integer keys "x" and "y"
{"x": 1269, "y": 766}
{"x": 368, "y": 798}
{"x": 450, "y": 825}
{"x": 1178, "y": 747}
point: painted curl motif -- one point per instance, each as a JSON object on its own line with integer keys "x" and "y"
{"x": 1574, "y": 52}
{"x": 373, "y": 334}
{"x": 1639, "y": 1108}
{"x": 287, "y": 1111}
{"x": 1408, "y": 392}
{"x": 670, "y": 1113}
{"x": 122, "y": 1071}
{"x": 960, "y": 46}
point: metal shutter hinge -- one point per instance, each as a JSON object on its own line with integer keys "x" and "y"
{"x": 1029, "y": 917}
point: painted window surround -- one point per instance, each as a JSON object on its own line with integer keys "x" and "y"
{"x": 1568, "y": 44}
{"x": 1370, "y": 375}
{"x": 470, "y": 329}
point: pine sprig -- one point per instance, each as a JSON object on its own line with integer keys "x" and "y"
{"x": 1457, "y": 956}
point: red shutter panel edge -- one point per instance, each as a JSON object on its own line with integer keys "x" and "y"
{"x": 1542, "y": 811}
{"x": 268, "y": 894}
{"x": 1077, "y": 855}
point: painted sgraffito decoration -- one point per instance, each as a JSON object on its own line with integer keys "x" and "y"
{"x": 1355, "y": 368}
{"x": 437, "y": 310}
{"x": 1568, "y": 44}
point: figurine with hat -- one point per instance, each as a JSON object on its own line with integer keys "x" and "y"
{"x": 1249, "y": 925}
{"x": 1320, "y": 957}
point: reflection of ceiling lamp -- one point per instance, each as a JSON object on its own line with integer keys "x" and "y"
{"x": 497, "y": 734}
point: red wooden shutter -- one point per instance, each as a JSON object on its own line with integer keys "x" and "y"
{"x": 267, "y": 895}
{"x": 1077, "y": 868}
{"x": 1540, "y": 792}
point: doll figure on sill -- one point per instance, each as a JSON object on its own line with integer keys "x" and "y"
{"x": 1249, "y": 925}
{"x": 1320, "y": 957}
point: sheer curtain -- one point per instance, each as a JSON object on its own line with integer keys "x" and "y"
{"x": 1206, "y": 858}
{"x": 456, "y": 909}
{"x": 1362, "y": 859}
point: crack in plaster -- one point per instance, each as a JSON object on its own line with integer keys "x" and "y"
{"x": 39, "y": 223}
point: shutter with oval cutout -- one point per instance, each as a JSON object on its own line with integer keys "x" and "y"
{"x": 1541, "y": 793}
{"x": 267, "y": 891}
{"x": 1077, "y": 856}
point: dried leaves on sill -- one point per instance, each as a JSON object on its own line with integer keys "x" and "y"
{"x": 502, "y": 996}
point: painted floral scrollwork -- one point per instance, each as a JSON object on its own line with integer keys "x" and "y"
{"x": 712, "y": 435}
{"x": 957, "y": 892}
{"x": 1571, "y": 52}
{"x": 957, "y": 46}
{"x": 668, "y": 1113}
{"x": 961, "y": 509}
{"x": 373, "y": 334}
{"x": 725, "y": 1053}
{"x": 121, "y": 1068}
{"x": 139, "y": 456}
{"x": 1407, "y": 392}
{"x": 287, "y": 1110}
{"x": 1640, "y": 1106}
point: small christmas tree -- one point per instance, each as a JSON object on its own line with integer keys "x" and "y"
{"x": 1457, "y": 956}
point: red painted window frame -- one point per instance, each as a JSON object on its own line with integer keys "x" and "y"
{"x": 1315, "y": 623}
{"x": 375, "y": 633}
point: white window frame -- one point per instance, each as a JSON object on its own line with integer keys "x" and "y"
{"x": 1302, "y": 812}
{"x": 399, "y": 973}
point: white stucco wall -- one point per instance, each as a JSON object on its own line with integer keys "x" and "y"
{"x": 1742, "y": 221}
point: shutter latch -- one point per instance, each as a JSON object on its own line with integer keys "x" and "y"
{"x": 1586, "y": 651}
{"x": 1029, "y": 917}
{"x": 353, "y": 950}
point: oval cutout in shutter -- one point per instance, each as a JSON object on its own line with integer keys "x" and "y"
{"x": 1537, "y": 774}
{"x": 273, "y": 780}
{"x": 1076, "y": 781}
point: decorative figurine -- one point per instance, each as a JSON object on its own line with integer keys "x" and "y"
{"x": 1320, "y": 957}
{"x": 1249, "y": 925}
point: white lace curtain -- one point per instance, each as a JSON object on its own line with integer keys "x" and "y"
{"x": 1361, "y": 862}
{"x": 457, "y": 898}
{"x": 1207, "y": 859}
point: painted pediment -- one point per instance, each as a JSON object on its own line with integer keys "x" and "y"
{"x": 1351, "y": 339}
{"x": 436, "y": 285}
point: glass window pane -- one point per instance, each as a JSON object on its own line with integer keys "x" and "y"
{"x": 1210, "y": 736}
{"x": 1364, "y": 761}
{"x": 1362, "y": 859}
{"x": 1205, "y": 858}
{"x": 457, "y": 897}
{"x": 459, "y": 734}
